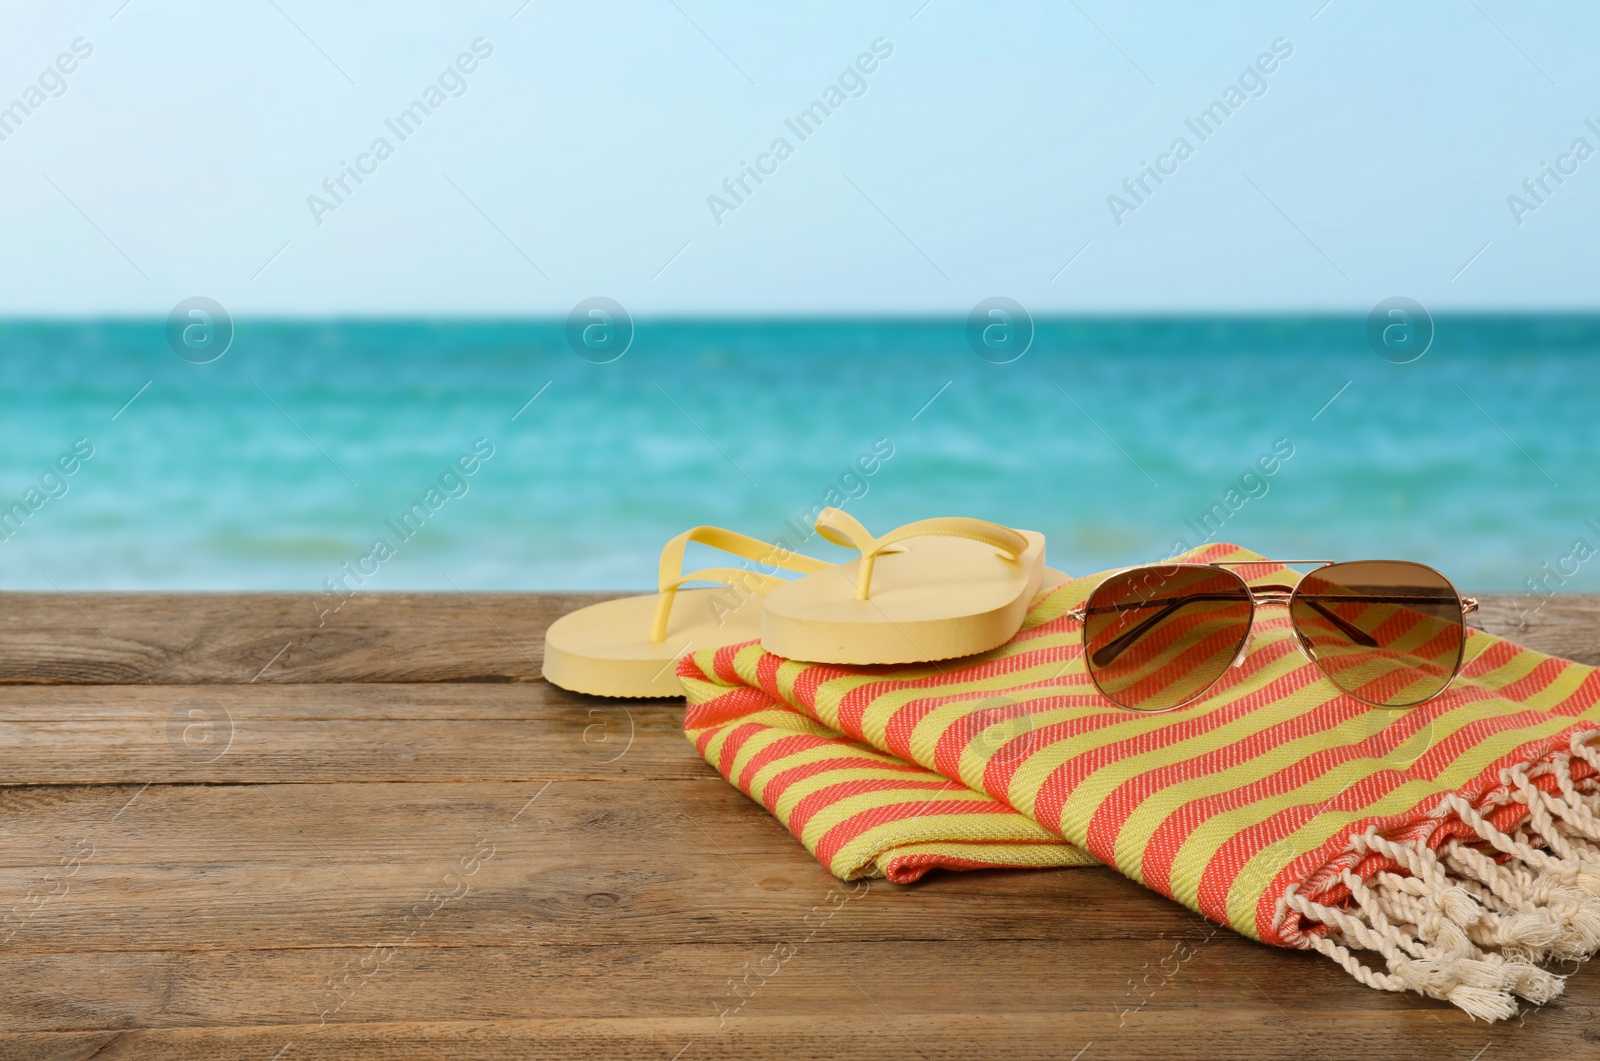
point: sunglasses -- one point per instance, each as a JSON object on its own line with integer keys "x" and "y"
{"x": 1390, "y": 633}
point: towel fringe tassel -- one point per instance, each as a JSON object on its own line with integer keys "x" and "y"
{"x": 1468, "y": 923}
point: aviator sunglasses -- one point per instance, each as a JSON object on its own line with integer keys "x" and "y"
{"x": 1390, "y": 633}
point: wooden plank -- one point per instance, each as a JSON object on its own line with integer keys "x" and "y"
{"x": 1564, "y": 625}
{"x": 728, "y": 983}
{"x": 399, "y": 824}
{"x": 206, "y": 638}
{"x": 724, "y": 994}
{"x": 201, "y": 638}
{"x": 1067, "y": 1035}
{"x": 265, "y": 866}
{"x": 376, "y": 732}
{"x": 339, "y": 701}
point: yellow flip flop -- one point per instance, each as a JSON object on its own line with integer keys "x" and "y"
{"x": 630, "y": 647}
{"x": 931, "y": 590}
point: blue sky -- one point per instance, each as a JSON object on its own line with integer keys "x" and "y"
{"x": 977, "y": 159}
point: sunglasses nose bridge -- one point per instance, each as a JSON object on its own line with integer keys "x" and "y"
{"x": 1277, "y": 595}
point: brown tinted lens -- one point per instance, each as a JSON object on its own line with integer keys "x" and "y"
{"x": 1385, "y": 631}
{"x": 1157, "y": 637}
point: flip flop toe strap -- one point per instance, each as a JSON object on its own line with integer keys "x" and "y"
{"x": 669, "y": 575}
{"x": 841, "y": 528}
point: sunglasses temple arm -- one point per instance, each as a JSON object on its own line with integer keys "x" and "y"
{"x": 1354, "y": 633}
{"x": 1107, "y": 654}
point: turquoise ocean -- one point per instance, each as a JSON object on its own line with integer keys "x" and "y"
{"x": 308, "y": 442}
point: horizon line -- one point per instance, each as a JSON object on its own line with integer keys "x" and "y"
{"x": 803, "y": 317}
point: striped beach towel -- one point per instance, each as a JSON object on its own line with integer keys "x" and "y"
{"x": 1447, "y": 849}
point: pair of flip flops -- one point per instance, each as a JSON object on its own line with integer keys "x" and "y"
{"x": 931, "y": 590}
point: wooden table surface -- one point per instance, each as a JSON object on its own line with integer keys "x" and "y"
{"x": 229, "y": 832}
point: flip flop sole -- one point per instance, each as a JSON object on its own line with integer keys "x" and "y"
{"x": 601, "y": 649}
{"x": 934, "y": 598}
{"x": 591, "y": 650}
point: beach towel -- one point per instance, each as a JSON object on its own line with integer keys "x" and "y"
{"x": 1449, "y": 849}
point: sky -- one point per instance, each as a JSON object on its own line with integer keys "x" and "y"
{"x": 975, "y": 154}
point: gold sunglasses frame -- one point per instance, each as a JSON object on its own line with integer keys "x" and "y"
{"x": 1270, "y": 595}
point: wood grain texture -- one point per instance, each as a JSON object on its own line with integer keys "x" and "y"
{"x": 276, "y": 638}
{"x": 1212, "y": 1031}
{"x": 212, "y": 867}
{"x": 1566, "y": 626}
{"x": 371, "y": 732}
{"x": 196, "y": 864}
{"x": 1025, "y": 999}
{"x": 209, "y": 638}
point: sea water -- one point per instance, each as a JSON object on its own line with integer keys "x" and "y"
{"x": 335, "y": 452}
